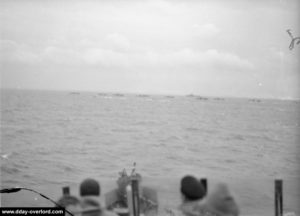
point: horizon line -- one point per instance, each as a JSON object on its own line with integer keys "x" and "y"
{"x": 154, "y": 94}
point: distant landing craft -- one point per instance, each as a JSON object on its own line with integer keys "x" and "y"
{"x": 296, "y": 39}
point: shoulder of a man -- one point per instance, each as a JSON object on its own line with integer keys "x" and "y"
{"x": 109, "y": 213}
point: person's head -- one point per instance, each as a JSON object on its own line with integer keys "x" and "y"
{"x": 191, "y": 188}
{"x": 89, "y": 187}
{"x": 221, "y": 202}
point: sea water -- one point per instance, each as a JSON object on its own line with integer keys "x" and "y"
{"x": 53, "y": 139}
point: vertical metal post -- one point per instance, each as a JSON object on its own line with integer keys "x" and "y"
{"x": 204, "y": 183}
{"x": 129, "y": 199}
{"x": 278, "y": 198}
{"x": 135, "y": 197}
{"x": 66, "y": 190}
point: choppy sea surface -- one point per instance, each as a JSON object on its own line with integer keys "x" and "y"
{"x": 54, "y": 139}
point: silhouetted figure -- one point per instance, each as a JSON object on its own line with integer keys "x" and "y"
{"x": 90, "y": 199}
{"x": 69, "y": 202}
{"x": 294, "y": 40}
{"x": 192, "y": 191}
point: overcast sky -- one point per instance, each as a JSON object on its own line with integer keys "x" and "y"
{"x": 213, "y": 48}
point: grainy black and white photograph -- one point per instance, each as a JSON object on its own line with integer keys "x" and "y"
{"x": 150, "y": 107}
